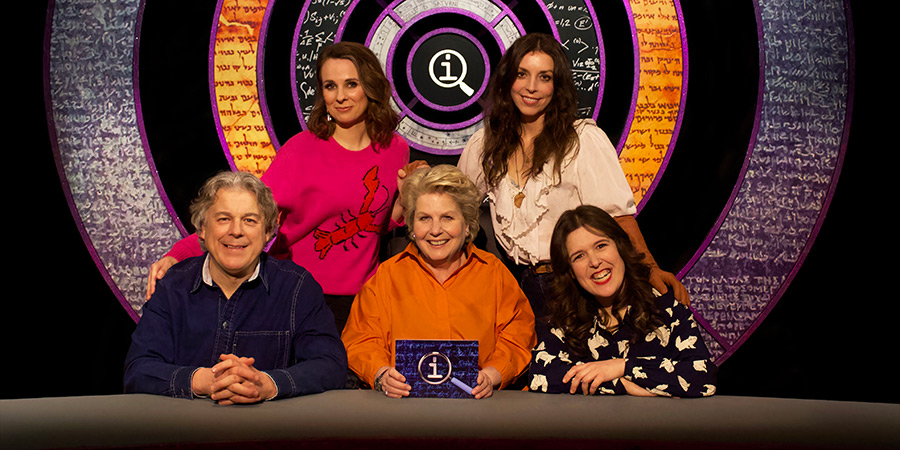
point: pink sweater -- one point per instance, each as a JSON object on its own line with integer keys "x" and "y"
{"x": 334, "y": 202}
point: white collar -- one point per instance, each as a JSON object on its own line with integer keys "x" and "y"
{"x": 207, "y": 278}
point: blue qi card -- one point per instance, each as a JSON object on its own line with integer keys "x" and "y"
{"x": 443, "y": 369}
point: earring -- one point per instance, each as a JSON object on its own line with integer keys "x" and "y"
{"x": 328, "y": 117}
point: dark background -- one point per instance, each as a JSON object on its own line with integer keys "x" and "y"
{"x": 829, "y": 337}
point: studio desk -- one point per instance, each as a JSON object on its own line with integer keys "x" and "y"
{"x": 510, "y": 419}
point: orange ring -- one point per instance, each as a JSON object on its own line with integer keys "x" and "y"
{"x": 236, "y": 96}
{"x": 658, "y": 103}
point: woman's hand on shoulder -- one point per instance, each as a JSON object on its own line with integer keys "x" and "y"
{"x": 157, "y": 272}
{"x": 589, "y": 376}
{"x": 407, "y": 170}
{"x": 662, "y": 280}
{"x": 410, "y": 168}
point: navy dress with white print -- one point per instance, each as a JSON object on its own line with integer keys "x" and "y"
{"x": 671, "y": 361}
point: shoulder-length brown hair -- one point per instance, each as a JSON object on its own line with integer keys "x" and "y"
{"x": 571, "y": 308}
{"x": 381, "y": 119}
{"x": 502, "y": 120}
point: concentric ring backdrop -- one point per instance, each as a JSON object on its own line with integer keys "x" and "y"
{"x": 731, "y": 120}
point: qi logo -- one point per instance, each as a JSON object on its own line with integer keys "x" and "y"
{"x": 435, "y": 368}
{"x": 446, "y": 70}
{"x": 448, "y": 81}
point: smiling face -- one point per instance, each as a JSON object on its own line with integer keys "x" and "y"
{"x": 596, "y": 264}
{"x": 533, "y": 88}
{"x": 234, "y": 234}
{"x": 440, "y": 231}
{"x": 345, "y": 98}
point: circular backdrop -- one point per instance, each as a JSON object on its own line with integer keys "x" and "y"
{"x": 630, "y": 62}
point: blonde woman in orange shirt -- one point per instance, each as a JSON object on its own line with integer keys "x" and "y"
{"x": 440, "y": 287}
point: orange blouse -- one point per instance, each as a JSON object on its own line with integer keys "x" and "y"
{"x": 403, "y": 300}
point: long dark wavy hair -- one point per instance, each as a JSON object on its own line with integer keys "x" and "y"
{"x": 381, "y": 119}
{"x": 571, "y": 308}
{"x": 502, "y": 120}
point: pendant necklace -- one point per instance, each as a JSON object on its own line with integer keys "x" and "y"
{"x": 517, "y": 200}
{"x": 520, "y": 196}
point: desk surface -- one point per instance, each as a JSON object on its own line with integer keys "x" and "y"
{"x": 142, "y": 420}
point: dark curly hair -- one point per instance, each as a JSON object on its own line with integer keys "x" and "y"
{"x": 571, "y": 308}
{"x": 502, "y": 119}
{"x": 381, "y": 119}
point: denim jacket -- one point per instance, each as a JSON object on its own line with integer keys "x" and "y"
{"x": 279, "y": 318}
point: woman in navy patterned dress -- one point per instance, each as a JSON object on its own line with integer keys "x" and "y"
{"x": 607, "y": 330}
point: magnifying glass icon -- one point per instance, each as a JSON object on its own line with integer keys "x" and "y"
{"x": 447, "y": 80}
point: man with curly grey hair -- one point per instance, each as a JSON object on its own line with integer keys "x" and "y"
{"x": 235, "y": 325}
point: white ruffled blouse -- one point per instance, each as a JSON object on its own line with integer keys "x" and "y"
{"x": 592, "y": 176}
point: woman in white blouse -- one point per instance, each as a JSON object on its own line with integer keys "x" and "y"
{"x": 534, "y": 161}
